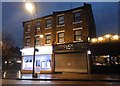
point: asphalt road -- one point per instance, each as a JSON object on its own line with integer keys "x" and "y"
{"x": 7, "y": 82}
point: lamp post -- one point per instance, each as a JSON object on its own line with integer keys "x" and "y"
{"x": 32, "y": 8}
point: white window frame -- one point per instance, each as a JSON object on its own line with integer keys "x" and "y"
{"x": 60, "y": 25}
{"x": 48, "y": 18}
{"x": 26, "y": 30}
{"x": 46, "y": 39}
{"x": 38, "y": 28}
{"x": 28, "y": 37}
{"x": 37, "y": 43}
{"x": 77, "y": 29}
{"x": 58, "y": 32}
{"x": 74, "y": 16}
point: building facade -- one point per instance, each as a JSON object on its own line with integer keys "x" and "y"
{"x": 64, "y": 47}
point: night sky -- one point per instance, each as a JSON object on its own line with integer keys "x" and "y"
{"x": 14, "y": 13}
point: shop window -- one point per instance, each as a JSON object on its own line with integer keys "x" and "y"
{"x": 46, "y": 64}
{"x": 101, "y": 60}
{"x": 61, "y": 37}
{"x": 114, "y": 60}
{"x": 77, "y": 17}
{"x": 48, "y": 23}
{"x": 27, "y": 63}
{"x": 77, "y": 35}
{"x": 61, "y": 20}
{"x": 37, "y": 62}
{"x": 105, "y": 60}
{"x": 48, "y": 39}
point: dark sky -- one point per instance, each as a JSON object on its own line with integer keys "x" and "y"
{"x": 14, "y": 13}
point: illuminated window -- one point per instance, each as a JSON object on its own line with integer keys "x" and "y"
{"x": 37, "y": 40}
{"x": 77, "y": 35}
{"x": 61, "y": 20}
{"x": 28, "y": 28}
{"x": 27, "y": 42}
{"x": 77, "y": 17}
{"x": 38, "y": 25}
{"x": 48, "y": 23}
{"x": 61, "y": 37}
{"x": 48, "y": 39}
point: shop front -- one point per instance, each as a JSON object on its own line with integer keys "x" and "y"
{"x": 71, "y": 58}
{"x": 43, "y": 60}
{"x": 105, "y": 58}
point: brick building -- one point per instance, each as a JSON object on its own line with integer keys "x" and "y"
{"x": 65, "y": 43}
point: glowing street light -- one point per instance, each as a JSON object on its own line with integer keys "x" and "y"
{"x": 115, "y": 37}
{"x": 100, "y": 39}
{"x": 30, "y": 7}
{"x": 107, "y": 35}
{"x": 94, "y": 40}
{"x": 41, "y": 35}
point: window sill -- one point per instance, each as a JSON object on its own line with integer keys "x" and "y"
{"x": 27, "y": 32}
{"x": 61, "y": 43}
{"x": 78, "y": 41}
{"x": 77, "y": 22}
{"x": 48, "y": 28}
{"x": 60, "y": 25}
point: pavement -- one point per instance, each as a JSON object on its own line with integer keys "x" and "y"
{"x": 65, "y": 77}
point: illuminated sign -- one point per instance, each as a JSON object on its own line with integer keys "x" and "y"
{"x": 41, "y": 50}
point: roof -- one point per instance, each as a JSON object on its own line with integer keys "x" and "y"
{"x": 59, "y": 12}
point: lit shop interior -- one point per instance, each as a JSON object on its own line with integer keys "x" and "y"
{"x": 42, "y": 59}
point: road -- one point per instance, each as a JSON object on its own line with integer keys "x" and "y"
{"x": 8, "y": 82}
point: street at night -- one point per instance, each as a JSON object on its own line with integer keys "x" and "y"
{"x": 60, "y": 43}
{"x": 7, "y": 82}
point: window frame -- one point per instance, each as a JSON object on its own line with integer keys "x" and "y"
{"x": 27, "y": 43}
{"x": 38, "y": 25}
{"x": 77, "y": 18}
{"x": 48, "y": 24}
{"x": 77, "y": 35}
{"x": 61, "y": 37}
{"x": 46, "y": 39}
{"x": 28, "y": 28}
{"x": 37, "y": 40}
{"x": 61, "y": 20}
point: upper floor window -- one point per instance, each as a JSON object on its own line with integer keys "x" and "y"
{"x": 77, "y": 17}
{"x": 28, "y": 28}
{"x": 61, "y": 20}
{"x": 38, "y": 25}
{"x": 61, "y": 37}
{"x": 37, "y": 40}
{"x": 48, "y": 23}
{"x": 77, "y": 35}
{"x": 27, "y": 41}
{"x": 48, "y": 39}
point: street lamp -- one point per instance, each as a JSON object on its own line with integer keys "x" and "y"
{"x": 29, "y": 6}
{"x": 32, "y": 8}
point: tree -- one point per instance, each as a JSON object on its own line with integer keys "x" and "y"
{"x": 10, "y": 53}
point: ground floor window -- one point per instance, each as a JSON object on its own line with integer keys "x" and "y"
{"x": 27, "y": 63}
{"x": 106, "y": 60}
{"x": 42, "y": 62}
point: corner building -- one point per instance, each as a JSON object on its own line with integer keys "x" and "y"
{"x": 65, "y": 45}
